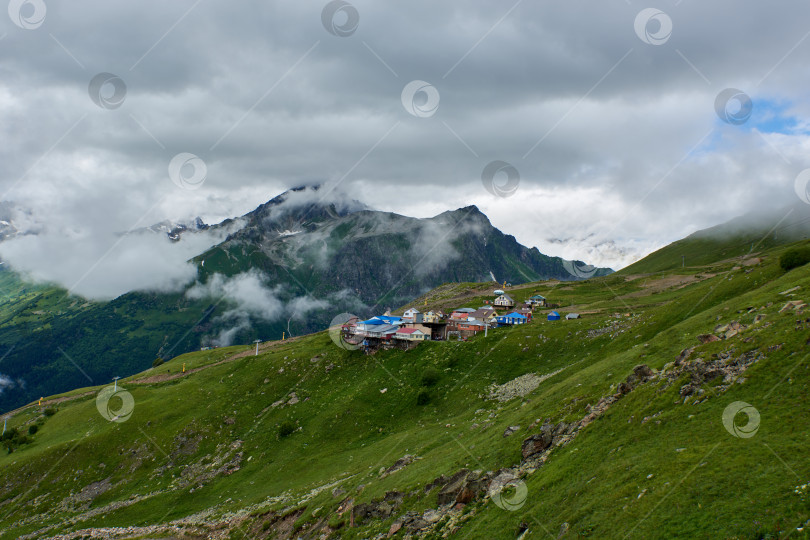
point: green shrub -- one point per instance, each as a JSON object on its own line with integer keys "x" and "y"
{"x": 157, "y": 362}
{"x": 32, "y": 430}
{"x": 286, "y": 429}
{"x": 430, "y": 377}
{"x": 50, "y": 411}
{"x": 423, "y": 398}
{"x": 794, "y": 258}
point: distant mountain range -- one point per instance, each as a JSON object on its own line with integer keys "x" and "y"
{"x": 288, "y": 266}
{"x": 382, "y": 258}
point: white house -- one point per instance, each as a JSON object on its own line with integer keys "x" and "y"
{"x": 413, "y": 315}
{"x": 504, "y": 300}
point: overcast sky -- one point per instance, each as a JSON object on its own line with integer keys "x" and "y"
{"x": 607, "y": 111}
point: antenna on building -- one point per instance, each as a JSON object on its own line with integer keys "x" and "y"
{"x": 257, "y": 346}
{"x": 115, "y": 380}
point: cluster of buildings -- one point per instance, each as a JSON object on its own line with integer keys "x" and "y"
{"x": 415, "y": 326}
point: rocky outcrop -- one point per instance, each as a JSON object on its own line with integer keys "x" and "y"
{"x": 401, "y": 463}
{"x": 537, "y": 443}
{"x": 535, "y": 449}
{"x": 796, "y": 305}
{"x": 452, "y": 490}
{"x": 378, "y": 508}
{"x": 465, "y": 486}
{"x": 724, "y": 364}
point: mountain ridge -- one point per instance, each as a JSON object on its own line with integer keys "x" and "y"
{"x": 287, "y": 268}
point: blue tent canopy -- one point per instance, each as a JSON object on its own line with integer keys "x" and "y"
{"x": 554, "y": 316}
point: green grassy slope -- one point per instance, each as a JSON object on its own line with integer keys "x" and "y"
{"x": 742, "y": 237}
{"x": 204, "y": 450}
{"x": 46, "y": 333}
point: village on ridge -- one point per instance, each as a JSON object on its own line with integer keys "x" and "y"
{"x": 384, "y": 331}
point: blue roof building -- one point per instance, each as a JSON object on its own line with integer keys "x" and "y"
{"x": 553, "y": 316}
{"x": 511, "y": 318}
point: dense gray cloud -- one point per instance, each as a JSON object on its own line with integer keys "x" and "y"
{"x": 98, "y": 263}
{"x": 616, "y": 140}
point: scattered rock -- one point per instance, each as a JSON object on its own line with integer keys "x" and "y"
{"x": 440, "y": 481}
{"x": 501, "y": 479}
{"x": 395, "y": 527}
{"x": 91, "y": 491}
{"x": 537, "y": 443}
{"x": 796, "y": 305}
{"x": 643, "y": 372}
{"x": 511, "y": 430}
{"x": 684, "y": 356}
{"x": 624, "y": 388}
{"x": 518, "y": 387}
{"x": 401, "y": 463}
{"x": 453, "y": 488}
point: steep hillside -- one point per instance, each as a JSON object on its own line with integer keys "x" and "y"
{"x": 295, "y": 262}
{"x": 619, "y": 425}
{"x": 739, "y": 237}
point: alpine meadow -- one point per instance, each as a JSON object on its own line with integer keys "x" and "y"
{"x": 343, "y": 270}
